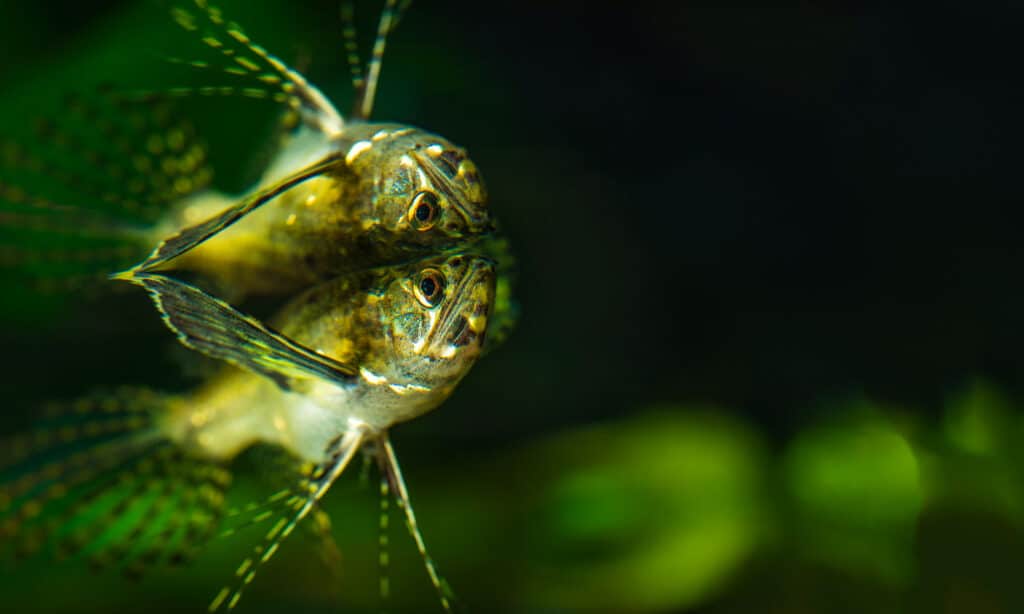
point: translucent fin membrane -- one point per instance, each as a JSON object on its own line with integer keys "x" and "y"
{"x": 124, "y": 161}
{"x": 265, "y": 77}
{"x": 96, "y": 479}
{"x": 215, "y": 328}
{"x": 289, "y": 506}
{"x": 288, "y": 475}
{"x": 316, "y": 485}
{"x": 190, "y": 237}
{"x": 269, "y": 77}
{"x": 81, "y": 198}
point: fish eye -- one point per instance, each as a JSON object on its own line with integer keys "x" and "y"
{"x": 424, "y": 210}
{"x": 430, "y": 287}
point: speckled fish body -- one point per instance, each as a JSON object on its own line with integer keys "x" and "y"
{"x": 396, "y": 194}
{"x": 407, "y": 349}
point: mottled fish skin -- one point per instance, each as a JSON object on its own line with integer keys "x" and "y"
{"x": 353, "y": 357}
{"x": 372, "y": 220}
{"x": 378, "y": 347}
{"x": 339, "y": 196}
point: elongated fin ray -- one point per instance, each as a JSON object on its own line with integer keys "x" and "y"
{"x": 262, "y": 512}
{"x": 212, "y": 327}
{"x": 248, "y": 58}
{"x": 80, "y": 199}
{"x": 131, "y": 157}
{"x": 107, "y": 413}
{"x": 280, "y": 469}
{"x": 389, "y": 466}
{"x": 93, "y": 458}
{"x": 257, "y": 507}
{"x": 205, "y": 518}
{"x": 150, "y": 539}
{"x": 165, "y": 531}
{"x": 80, "y": 486}
{"x": 26, "y": 524}
{"x": 383, "y": 539}
{"x": 348, "y": 32}
{"x": 144, "y": 155}
{"x": 362, "y": 107}
{"x": 343, "y": 453}
{"x": 47, "y": 437}
{"x": 33, "y": 212}
{"x": 192, "y": 236}
{"x": 99, "y": 478}
{"x": 206, "y": 91}
{"x": 137, "y": 493}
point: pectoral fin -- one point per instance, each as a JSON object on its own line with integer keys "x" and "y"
{"x": 211, "y": 326}
{"x": 190, "y": 237}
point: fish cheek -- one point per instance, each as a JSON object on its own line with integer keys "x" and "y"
{"x": 407, "y": 330}
{"x": 400, "y": 182}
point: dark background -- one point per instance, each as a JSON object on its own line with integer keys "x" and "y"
{"x": 779, "y": 210}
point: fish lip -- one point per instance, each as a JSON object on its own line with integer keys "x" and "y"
{"x": 478, "y": 223}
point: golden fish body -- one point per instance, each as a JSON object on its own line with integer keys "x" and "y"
{"x": 397, "y": 193}
{"x": 409, "y": 350}
{"x": 341, "y": 195}
{"x": 354, "y": 356}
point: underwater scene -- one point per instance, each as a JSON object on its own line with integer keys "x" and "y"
{"x": 514, "y": 307}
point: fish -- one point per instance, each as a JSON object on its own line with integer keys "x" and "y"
{"x": 329, "y": 375}
{"x": 347, "y": 193}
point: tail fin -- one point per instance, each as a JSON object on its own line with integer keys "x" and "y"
{"x": 97, "y": 479}
{"x": 80, "y": 199}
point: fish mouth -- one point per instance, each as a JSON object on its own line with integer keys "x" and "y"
{"x": 462, "y": 322}
{"x": 475, "y": 215}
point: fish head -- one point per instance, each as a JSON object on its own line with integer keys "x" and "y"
{"x": 425, "y": 191}
{"x": 434, "y": 320}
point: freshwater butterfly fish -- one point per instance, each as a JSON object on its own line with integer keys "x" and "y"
{"x": 390, "y": 344}
{"x": 347, "y": 193}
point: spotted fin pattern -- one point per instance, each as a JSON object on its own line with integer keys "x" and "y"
{"x": 240, "y": 57}
{"x": 81, "y": 199}
{"x": 96, "y": 479}
{"x": 316, "y": 485}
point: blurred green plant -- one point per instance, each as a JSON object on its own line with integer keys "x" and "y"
{"x": 670, "y": 509}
